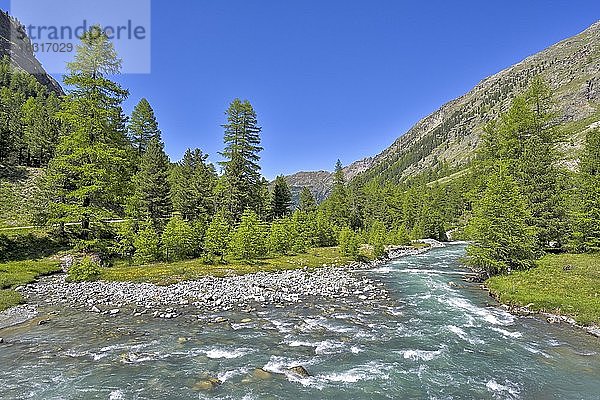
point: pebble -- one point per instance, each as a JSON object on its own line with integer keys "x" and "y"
{"x": 211, "y": 294}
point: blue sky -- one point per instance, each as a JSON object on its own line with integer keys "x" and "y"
{"x": 331, "y": 79}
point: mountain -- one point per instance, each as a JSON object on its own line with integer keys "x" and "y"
{"x": 321, "y": 182}
{"x": 15, "y": 45}
{"x": 449, "y": 135}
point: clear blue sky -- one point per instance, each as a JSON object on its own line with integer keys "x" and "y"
{"x": 331, "y": 79}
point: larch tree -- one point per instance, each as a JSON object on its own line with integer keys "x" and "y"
{"x": 143, "y": 126}
{"x": 503, "y": 241}
{"x": 89, "y": 175}
{"x": 241, "y": 171}
{"x": 586, "y": 233}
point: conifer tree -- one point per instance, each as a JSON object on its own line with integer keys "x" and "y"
{"x": 349, "y": 243}
{"x": 336, "y": 205}
{"x": 147, "y": 245}
{"x": 216, "y": 239}
{"x": 502, "y": 239}
{"x": 378, "y": 238}
{"x": 89, "y": 174}
{"x": 143, "y": 127}
{"x": 587, "y": 209}
{"x": 282, "y": 198}
{"x": 177, "y": 239}
{"x": 281, "y": 236}
{"x": 193, "y": 182}
{"x": 241, "y": 171}
{"x": 152, "y": 197}
{"x": 249, "y": 240}
{"x": 307, "y": 201}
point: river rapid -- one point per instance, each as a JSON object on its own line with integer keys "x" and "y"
{"x": 435, "y": 337}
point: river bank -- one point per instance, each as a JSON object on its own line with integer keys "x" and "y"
{"x": 246, "y": 293}
{"x": 563, "y": 288}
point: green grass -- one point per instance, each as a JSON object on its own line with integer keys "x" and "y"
{"x": 550, "y": 287}
{"x": 17, "y": 273}
{"x": 167, "y": 273}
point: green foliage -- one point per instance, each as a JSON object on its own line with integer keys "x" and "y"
{"x": 125, "y": 240}
{"x": 249, "y": 240}
{"x": 282, "y": 198}
{"x": 526, "y": 139}
{"x": 9, "y": 298}
{"x": 178, "y": 239}
{"x": 337, "y": 206}
{"x": 152, "y": 193}
{"x": 281, "y": 236}
{"x": 307, "y": 201}
{"x": 349, "y": 243}
{"x": 586, "y": 232}
{"x": 378, "y": 238}
{"x": 143, "y": 127}
{"x": 241, "y": 185}
{"x": 84, "y": 271}
{"x": 88, "y": 178}
{"x": 216, "y": 239}
{"x": 324, "y": 232}
{"x": 147, "y": 246}
{"x": 399, "y": 236}
{"x": 193, "y": 182}
{"x": 502, "y": 239}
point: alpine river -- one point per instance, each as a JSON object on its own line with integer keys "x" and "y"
{"x": 432, "y": 339}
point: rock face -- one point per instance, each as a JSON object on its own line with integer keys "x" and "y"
{"x": 320, "y": 183}
{"x": 571, "y": 68}
{"x": 15, "y": 45}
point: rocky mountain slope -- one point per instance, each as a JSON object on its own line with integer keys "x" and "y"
{"x": 15, "y": 45}
{"x": 450, "y": 134}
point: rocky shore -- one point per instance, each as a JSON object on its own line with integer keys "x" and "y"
{"x": 207, "y": 295}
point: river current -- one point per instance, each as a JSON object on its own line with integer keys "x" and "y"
{"x": 437, "y": 337}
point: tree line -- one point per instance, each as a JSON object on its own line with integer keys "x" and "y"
{"x": 101, "y": 165}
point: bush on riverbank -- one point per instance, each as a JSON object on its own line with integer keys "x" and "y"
{"x": 84, "y": 271}
{"x": 567, "y": 284}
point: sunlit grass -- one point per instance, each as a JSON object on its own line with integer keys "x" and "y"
{"x": 166, "y": 273}
{"x": 566, "y": 284}
{"x": 17, "y": 273}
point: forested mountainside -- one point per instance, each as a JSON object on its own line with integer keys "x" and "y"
{"x": 15, "y": 45}
{"x": 446, "y": 139}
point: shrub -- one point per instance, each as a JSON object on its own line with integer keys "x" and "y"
{"x": 84, "y": 270}
{"x": 349, "y": 243}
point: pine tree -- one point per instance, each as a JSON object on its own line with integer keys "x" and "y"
{"x": 241, "y": 171}
{"x": 143, "y": 127}
{"x": 177, "y": 239}
{"x": 587, "y": 209}
{"x": 193, "y": 181}
{"x": 307, "y": 201}
{"x": 89, "y": 174}
{"x": 282, "y": 198}
{"x": 216, "y": 239}
{"x": 152, "y": 196}
{"x": 147, "y": 246}
{"x": 502, "y": 239}
{"x": 249, "y": 240}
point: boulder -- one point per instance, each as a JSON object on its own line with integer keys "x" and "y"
{"x": 300, "y": 371}
{"x": 260, "y": 373}
{"x": 209, "y": 383}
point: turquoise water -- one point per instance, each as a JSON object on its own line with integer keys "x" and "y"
{"x": 430, "y": 340}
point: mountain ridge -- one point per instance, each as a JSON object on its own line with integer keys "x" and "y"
{"x": 451, "y": 133}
